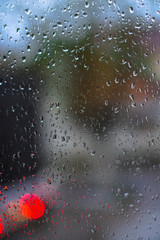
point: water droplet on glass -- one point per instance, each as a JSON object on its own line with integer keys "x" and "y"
{"x": 126, "y": 195}
{"x": 39, "y": 51}
{"x": 28, "y": 48}
{"x": 5, "y": 26}
{"x": 116, "y": 110}
{"x": 4, "y": 58}
{"x": 133, "y": 104}
{"x": 110, "y": 37}
{"x": 87, "y": 4}
{"x": 27, "y": 11}
{"x": 132, "y": 85}
{"x": 23, "y": 59}
{"x": 76, "y": 15}
{"x": 153, "y": 19}
{"x": 131, "y": 97}
{"x": 92, "y": 152}
{"x": 54, "y": 34}
{"x": 135, "y": 73}
{"x": 108, "y": 83}
{"x": 106, "y": 103}
{"x": 131, "y": 10}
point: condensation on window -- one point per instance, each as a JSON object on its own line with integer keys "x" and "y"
{"x": 80, "y": 113}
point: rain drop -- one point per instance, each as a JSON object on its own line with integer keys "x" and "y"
{"x": 106, "y": 102}
{"x": 131, "y": 10}
{"x": 87, "y": 5}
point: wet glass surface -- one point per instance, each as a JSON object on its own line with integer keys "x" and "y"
{"x": 79, "y": 151}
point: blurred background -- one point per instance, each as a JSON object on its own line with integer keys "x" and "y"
{"x": 80, "y": 115}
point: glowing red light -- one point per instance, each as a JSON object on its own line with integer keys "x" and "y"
{"x": 31, "y": 206}
{"x": 1, "y": 226}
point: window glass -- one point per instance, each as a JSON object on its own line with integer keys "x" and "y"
{"x": 79, "y": 150}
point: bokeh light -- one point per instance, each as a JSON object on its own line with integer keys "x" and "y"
{"x": 31, "y": 206}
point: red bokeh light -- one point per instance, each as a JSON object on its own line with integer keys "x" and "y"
{"x": 1, "y": 226}
{"x": 31, "y": 206}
